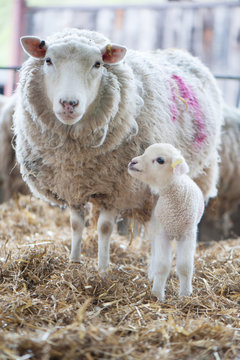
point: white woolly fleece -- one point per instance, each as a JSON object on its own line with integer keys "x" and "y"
{"x": 140, "y": 102}
{"x": 180, "y": 206}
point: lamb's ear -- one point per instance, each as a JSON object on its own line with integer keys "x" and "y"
{"x": 33, "y": 46}
{"x": 180, "y": 166}
{"x": 113, "y": 53}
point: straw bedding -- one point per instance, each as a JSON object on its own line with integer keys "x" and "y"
{"x": 51, "y": 309}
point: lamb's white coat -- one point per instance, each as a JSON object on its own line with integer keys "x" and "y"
{"x": 176, "y": 215}
{"x": 121, "y": 109}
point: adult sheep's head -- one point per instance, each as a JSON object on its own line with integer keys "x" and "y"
{"x": 72, "y": 70}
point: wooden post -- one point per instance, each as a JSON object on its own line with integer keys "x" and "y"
{"x": 18, "y": 15}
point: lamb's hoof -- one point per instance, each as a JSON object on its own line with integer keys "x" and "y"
{"x": 75, "y": 261}
{"x": 185, "y": 293}
{"x": 103, "y": 272}
{"x": 159, "y": 295}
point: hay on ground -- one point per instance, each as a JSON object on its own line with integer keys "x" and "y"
{"x": 53, "y": 310}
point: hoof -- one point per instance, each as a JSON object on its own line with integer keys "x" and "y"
{"x": 75, "y": 261}
{"x": 159, "y": 295}
{"x": 103, "y": 273}
{"x": 185, "y": 293}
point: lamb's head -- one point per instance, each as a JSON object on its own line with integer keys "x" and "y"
{"x": 159, "y": 163}
{"x": 72, "y": 68}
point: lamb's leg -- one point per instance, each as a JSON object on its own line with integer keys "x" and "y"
{"x": 151, "y": 267}
{"x": 161, "y": 264}
{"x": 152, "y": 232}
{"x": 105, "y": 225}
{"x": 185, "y": 258}
{"x": 77, "y": 224}
{"x": 149, "y": 234}
{"x": 154, "y": 236}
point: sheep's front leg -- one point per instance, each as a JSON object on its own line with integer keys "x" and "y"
{"x": 185, "y": 258}
{"x": 150, "y": 233}
{"x": 161, "y": 264}
{"x": 105, "y": 225}
{"x": 151, "y": 263}
{"x": 77, "y": 224}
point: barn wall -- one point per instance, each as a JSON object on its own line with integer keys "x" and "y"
{"x": 209, "y": 31}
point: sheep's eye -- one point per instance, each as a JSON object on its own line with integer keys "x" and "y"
{"x": 97, "y": 64}
{"x": 160, "y": 160}
{"x": 48, "y": 61}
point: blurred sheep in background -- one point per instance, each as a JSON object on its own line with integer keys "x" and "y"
{"x": 10, "y": 179}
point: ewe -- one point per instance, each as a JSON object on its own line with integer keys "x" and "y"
{"x": 176, "y": 215}
{"x": 86, "y": 106}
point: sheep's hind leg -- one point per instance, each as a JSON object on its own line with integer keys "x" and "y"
{"x": 105, "y": 225}
{"x": 185, "y": 259}
{"x": 77, "y": 224}
{"x": 207, "y": 181}
{"x": 161, "y": 264}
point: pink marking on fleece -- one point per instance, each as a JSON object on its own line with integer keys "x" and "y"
{"x": 173, "y": 107}
{"x": 188, "y": 95}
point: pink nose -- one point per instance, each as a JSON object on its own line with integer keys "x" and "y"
{"x": 69, "y": 105}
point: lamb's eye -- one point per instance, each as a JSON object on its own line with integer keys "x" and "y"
{"x": 97, "y": 64}
{"x": 48, "y": 61}
{"x": 160, "y": 160}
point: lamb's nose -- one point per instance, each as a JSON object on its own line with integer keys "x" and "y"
{"x": 133, "y": 162}
{"x": 68, "y": 105}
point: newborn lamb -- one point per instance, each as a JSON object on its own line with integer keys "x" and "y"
{"x": 176, "y": 215}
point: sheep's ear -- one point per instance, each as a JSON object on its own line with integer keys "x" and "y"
{"x": 113, "y": 53}
{"x": 180, "y": 167}
{"x": 33, "y": 46}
